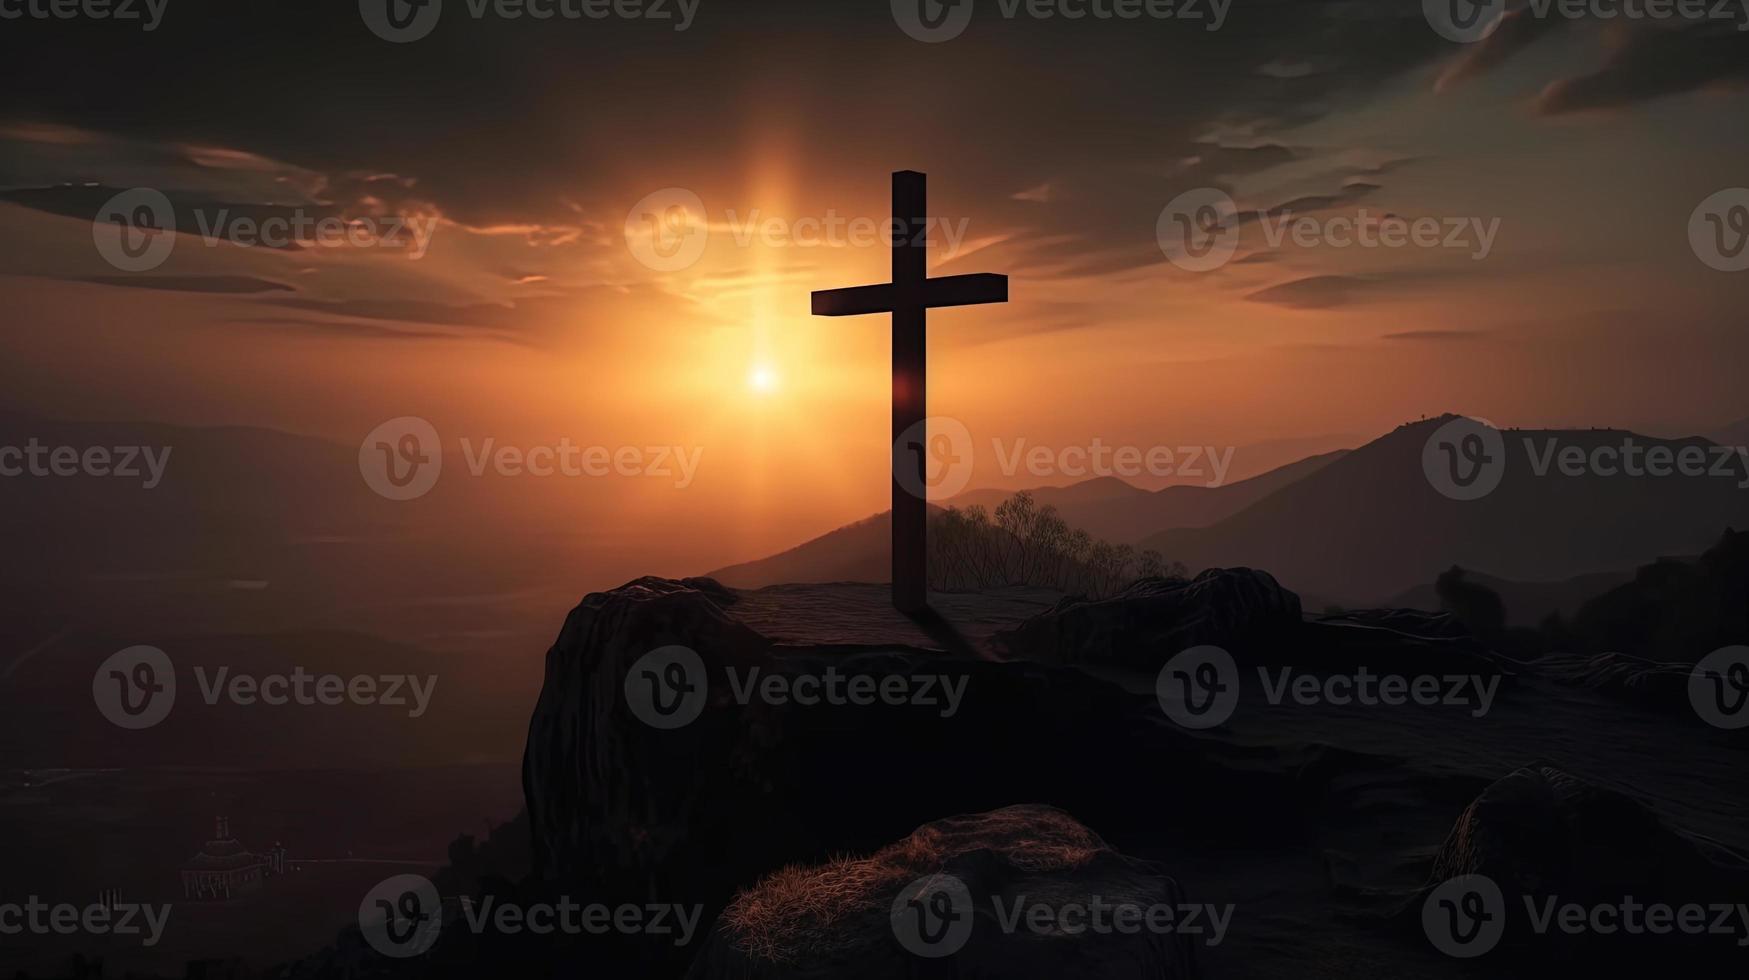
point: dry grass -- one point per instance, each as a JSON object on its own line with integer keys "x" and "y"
{"x": 799, "y": 910}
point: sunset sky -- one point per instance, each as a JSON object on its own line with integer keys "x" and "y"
{"x": 1058, "y": 143}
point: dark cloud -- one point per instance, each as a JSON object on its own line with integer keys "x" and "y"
{"x": 1651, "y": 63}
{"x": 505, "y": 123}
{"x": 1518, "y": 29}
{"x": 538, "y": 128}
{"x": 1349, "y": 193}
{"x": 191, "y": 211}
{"x": 193, "y": 284}
{"x": 1213, "y": 161}
{"x": 247, "y": 223}
{"x": 350, "y": 329}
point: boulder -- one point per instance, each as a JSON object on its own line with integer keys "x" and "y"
{"x": 1398, "y": 640}
{"x": 1541, "y": 834}
{"x": 1237, "y": 609}
{"x": 613, "y": 806}
{"x": 1647, "y": 683}
{"x": 852, "y": 918}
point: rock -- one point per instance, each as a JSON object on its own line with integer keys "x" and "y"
{"x": 1398, "y": 640}
{"x": 1237, "y": 609}
{"x": 848, "y": 919}
{"x": 1542, "y": 834}
{"x": 1418, "y": 623}
{"x": 628, "y": 812}
{"x": 1643, "y": 682}
{"x": 607, "y": 813}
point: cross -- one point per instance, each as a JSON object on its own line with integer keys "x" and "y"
{"x": 908, "y": 298}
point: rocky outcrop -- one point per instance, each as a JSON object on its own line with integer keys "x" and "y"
{"x": 1643, "y": 682}
{"x": 1548, "y": 839}
{"x": 600, "y": 786}
{"x": 1401, "y": 640}
{"x": 1237, "y": 609}
{"x": 1003, "y": 878}
{"x": 694, "y": 813}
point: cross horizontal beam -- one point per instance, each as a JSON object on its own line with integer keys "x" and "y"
{"x": 969, "y": 290}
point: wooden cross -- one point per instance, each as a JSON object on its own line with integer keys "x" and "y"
{"x": 908, "y": 298}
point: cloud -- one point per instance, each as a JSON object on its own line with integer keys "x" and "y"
{"x": 1517, "y": 30}
{"x": 1652, "y": 63}
{"x": 1313, "y": 292}
{"x": 1350, "y": 192}
{"x": 543, "y": 171}
{"x": 1436, "y": 335}
{"x": 492, "y": 316}
{"x": 527, "y": 321}
{"x": 1282, "y": 68}
{"x": 1259, "y": 257}
{"x": 1330, "y": 291}
{"x": 351, "y": 329}
{"x": 271, "y": 226}
{"x": 1215, "y": 160}
{"x": 231, "y": 285}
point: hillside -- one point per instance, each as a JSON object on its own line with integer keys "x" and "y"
{"x": 1106, "y": 508}
{"x": 1370, "y": 524}
{"x": 1527, "y": 603}
{"x": 1115, "y": 511}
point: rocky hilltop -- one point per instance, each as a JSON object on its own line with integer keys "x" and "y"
{"x": 801, "y": 765}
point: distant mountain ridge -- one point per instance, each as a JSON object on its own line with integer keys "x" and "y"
{"x": 1365, "y": 526}
{"x": 1115, "y": 511}
{"x": 858, "y": 552}
{"x": 1105, "y": 507}
{"x": 1371, "y": 524}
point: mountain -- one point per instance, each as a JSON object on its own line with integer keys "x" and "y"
{"x": 859, "y": 552}
{"x": 1735, "y": 434}
{"x": 1112, "y": 510}
{"x": 1527, "y": 603}
{"x": 1107, "y": 508}
{"x": 1371, "y": 524}
{"x": 1672, "y": 609}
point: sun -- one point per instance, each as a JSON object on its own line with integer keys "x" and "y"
{"x": 762, "y": 378}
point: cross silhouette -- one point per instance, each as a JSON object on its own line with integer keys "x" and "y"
{"x": 908, "y": 298}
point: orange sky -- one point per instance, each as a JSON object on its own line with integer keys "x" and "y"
{"x": 1590, "y": 307}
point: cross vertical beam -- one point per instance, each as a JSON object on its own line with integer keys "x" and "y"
{"x": 908, "y": 298}
{"x": 910, "y": 389}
